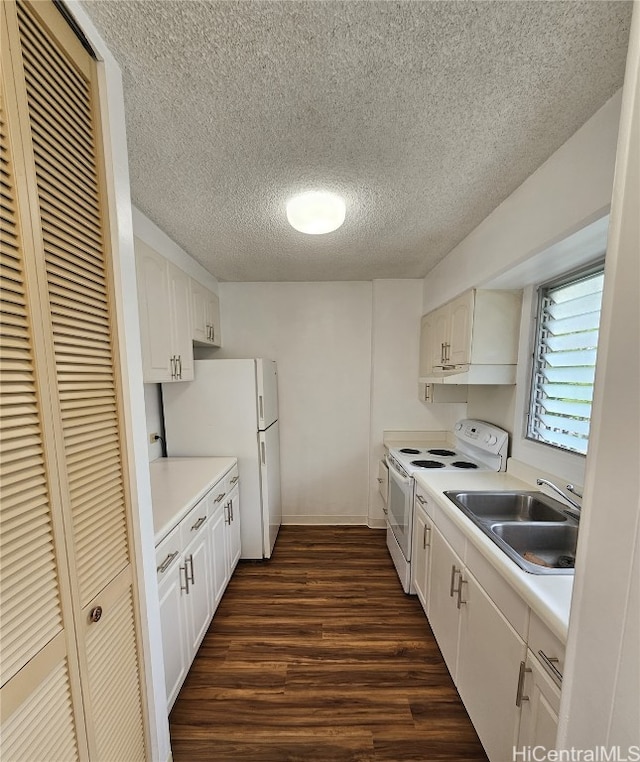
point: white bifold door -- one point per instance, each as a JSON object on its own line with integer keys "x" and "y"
{"x": 269, "y": 444}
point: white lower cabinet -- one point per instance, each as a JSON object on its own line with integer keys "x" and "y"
{"x": 421, "y": 553}
{"x": 197, "y": 597}
{"x": 489, "y": 656}
{"x": 539, "y": 698}
{"x": 194, "y": 565}
{"x": 504, "y": 661}
{"x": 444, "y": 616}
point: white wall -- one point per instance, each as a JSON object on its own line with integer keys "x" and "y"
{"x": 601, "y": 693}
{"x": 397, "y": 308}
{"x": 320, "y": 336}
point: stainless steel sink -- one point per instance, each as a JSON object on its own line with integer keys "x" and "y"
{"x": 530, "y": 527}
{"x": 549, "y": 547}
{"x": 509, "y": 506}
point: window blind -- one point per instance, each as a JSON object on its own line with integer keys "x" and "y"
{"x": 565, "y": 362}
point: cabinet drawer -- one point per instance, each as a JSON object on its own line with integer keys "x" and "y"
{"x": 425, "y": 502}
{"x": 168, "y": 553}
{"x": 231, "y": 479}
{"x": 547, "y": 648}
{"x": 452, "y": 534}
{"x": 194, "y": 523}
{"x": 511, "y": 605}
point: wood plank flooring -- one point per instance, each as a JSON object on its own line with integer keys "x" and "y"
{"x": 318, "y": 655}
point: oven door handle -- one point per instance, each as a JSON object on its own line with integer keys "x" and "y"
{"x": 397, "y": 475}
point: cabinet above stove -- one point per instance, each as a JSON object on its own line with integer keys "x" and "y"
{"x": 472, "y": 339}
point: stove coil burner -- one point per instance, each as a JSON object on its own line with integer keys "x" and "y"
{"x": 464, "y": 464}
{"x": 441, "y": 453}
{"x": 427, "y": 463}
{"x": 410, "y": 451}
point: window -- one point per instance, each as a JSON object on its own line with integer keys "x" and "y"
{"x": 564, "y": 361}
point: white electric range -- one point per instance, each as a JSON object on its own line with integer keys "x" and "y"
{"x": 479, "y": 446}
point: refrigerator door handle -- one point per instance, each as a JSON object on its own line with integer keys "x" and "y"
{"x": 264, "y": 456}
{"x": 261, "y": 405}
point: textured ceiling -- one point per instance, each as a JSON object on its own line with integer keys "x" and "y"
{"x": 424, "y": 115}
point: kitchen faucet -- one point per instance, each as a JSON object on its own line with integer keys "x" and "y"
{"x": 574, "y": 512}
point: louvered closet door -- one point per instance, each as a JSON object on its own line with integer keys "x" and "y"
{"x": 59, "y": 93}
{"x": 33, "y": 659}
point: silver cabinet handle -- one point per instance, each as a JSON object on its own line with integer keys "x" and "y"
{"x": 235, "y": 479}
{"x": 426, "y": 544}
{"x": 189, "y": 560}
{"x": 442, "y": 357}
{"x": 180, "y": 366}
{"x": 227, "y": 514}
{"x": 213, "y": 333}
{"x": 460, "y": 602}
{"x": 172, "y": 360}
{"x": 385, "y": 511}
{"x": 198, "y": 523}
{"x": 184, "y": 587}
{"x": 379, "y": 481}
{"x": 220, "y": 496}
{"x": 452, "y": 586}
{"x": 167, "y": 562}
{"x": 231, "y": 509}
{"x": 520, "y": 697}
{"x": 421, "y": 500}
{"x": 549, "y": 663}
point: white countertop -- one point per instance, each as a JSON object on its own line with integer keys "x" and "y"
{"x": 176, "y": 486}
{"x": 549, "y": 595}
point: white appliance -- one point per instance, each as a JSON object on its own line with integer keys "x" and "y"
{"x": 479, "y": 446}
{"x": 231, "y": 408}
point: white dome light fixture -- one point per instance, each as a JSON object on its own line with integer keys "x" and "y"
{"x": 316, "y": 212}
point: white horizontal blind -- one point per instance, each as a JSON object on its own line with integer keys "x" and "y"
{"x": 565, "y": 361}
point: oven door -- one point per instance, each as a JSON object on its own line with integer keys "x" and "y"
{"x": 400, "y": 508}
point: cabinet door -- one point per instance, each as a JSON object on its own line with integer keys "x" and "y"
{"x": 180, "y": 307}
{"x": 196, "y": 599}
{"x": 422, "y": 531}
{"x": 383, "y": 481}
{"x": 439, "y": 322}
{"x": 460, "y": 328}
{"x": 540, "y": 706}
{"x": 155, "y": 320}
{"x": 199, "y": 313}
{"x": 218, "y": 549}
{"x": 233, "y": 530}
{"x": 173, "y": 624}
{"x": 426, "y": 346}
{"x": 489, "y": 656}
{"x": 213, "y": 318}
{"x": 446, "y": 568}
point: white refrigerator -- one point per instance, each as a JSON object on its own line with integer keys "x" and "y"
{"x": 231, "y": 409}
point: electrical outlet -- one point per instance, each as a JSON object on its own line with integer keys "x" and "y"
{"x": 153, "y": 438}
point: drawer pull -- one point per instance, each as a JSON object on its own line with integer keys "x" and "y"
{"x": 426, "y": 544}
{"x": 549, "y": 663}
{"x": 220, "y": 497}
{"x": 421, "y": 500}
{"x": 460, "y": 602}
{"x": 519, "y": 692}
{"x": 167, "y": 562}
{"x": 198, "y": 523}
{"x": 235, "y": 479}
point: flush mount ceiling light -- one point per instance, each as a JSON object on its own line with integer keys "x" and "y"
{"x": 316, "y": 212}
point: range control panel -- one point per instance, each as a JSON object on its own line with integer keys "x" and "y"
{"x": 485, "y": 436}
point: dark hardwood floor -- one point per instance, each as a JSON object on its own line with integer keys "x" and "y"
{"x": 317, "y": 654}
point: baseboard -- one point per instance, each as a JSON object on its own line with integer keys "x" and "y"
{"x": 325, "y": 520}
{"x": 377, "y": 523}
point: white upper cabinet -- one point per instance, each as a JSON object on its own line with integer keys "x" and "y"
{"x": 165, "y": 298}
{"x": 205, "y": 315}
{"x": 472, "y": 339}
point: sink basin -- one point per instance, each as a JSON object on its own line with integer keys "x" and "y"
{"x": 551, "y": 547}
{"x": 529, "y": 527}
{"x": 509, "y": 506}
